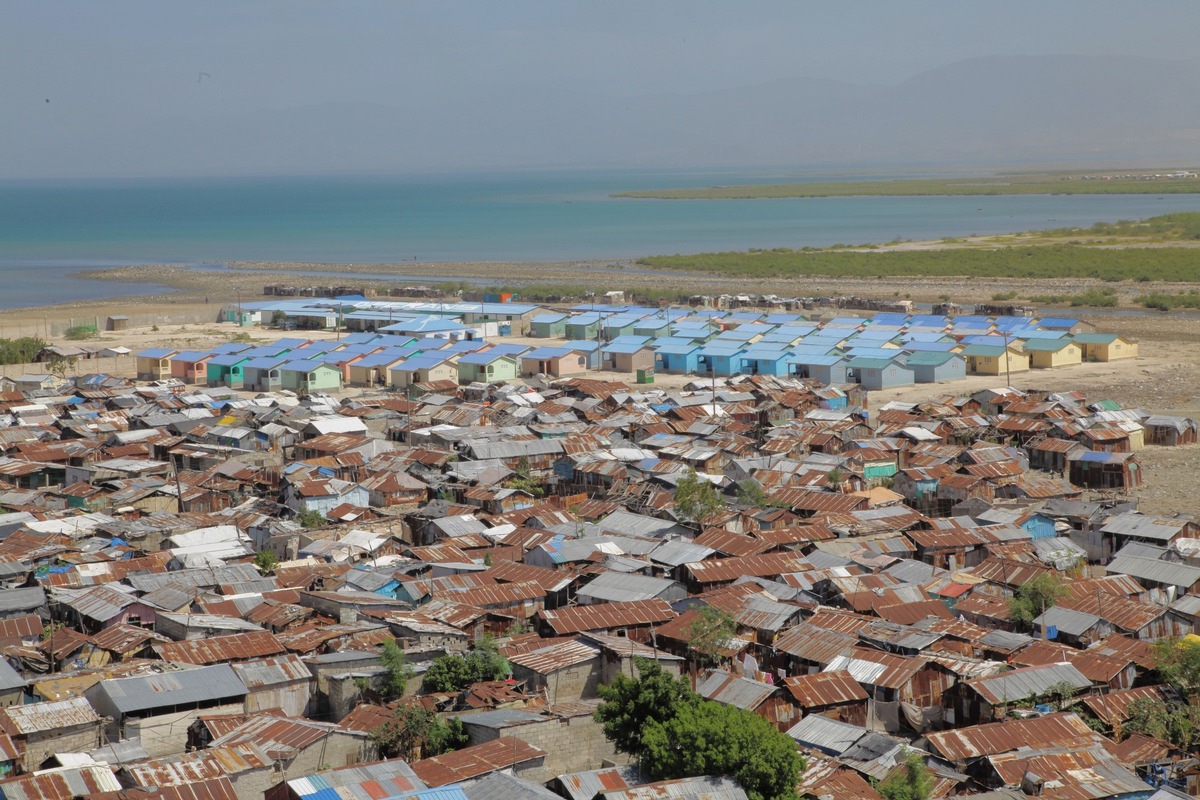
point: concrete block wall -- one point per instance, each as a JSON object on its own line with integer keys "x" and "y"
{"x": 572, "y": 744}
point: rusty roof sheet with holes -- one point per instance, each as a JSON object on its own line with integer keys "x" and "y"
{"x": 766, "y": 565}
{"x": 556, "y": 656}
{"x": 202, "y": 765}
{"x": 1061, "y": 729}
{"x": 280, "y": 737}
{"x": 810, "y": 643}
{"x": 821, "y": 689}
{"x": 1113, "y": 707}
{"x": 35, "y": 718}
{"x": 276, "y": 671}
{"x": 474, "y": 761}
{"x": 220, "y": 649}
{"x": 499, "y": 594}
{"x": 122, "y": 638}
{"x": 607, "y": 616}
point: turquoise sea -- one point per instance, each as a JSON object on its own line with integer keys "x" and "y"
{"x": 49, "y": 230}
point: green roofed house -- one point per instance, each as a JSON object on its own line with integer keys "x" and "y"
{"x": 1105, "y": 346}
{"x": 935, "y": 367}
{"x": 1052, "y": 353}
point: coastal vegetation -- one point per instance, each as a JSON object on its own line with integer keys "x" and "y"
{"x": 1045, "y": 183}
{"x": 1055, "y": 261}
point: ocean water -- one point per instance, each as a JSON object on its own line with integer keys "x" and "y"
{"x": 50, "y": 230}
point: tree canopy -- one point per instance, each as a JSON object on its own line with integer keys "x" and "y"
{"x": 695, "y": 498}
{"x": 399, "y": 672}
{"x": 1035, "y": 596}
{"x": 710, "y": 633}
{"x": 912, "y": 780}
{"x": 674, "y": 733}
{"x": 415, "y": 732}
{"x": 455, "y": 673}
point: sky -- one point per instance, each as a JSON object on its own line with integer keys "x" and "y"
{"x": 97, "y": 88}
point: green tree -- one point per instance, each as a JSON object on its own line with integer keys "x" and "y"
{"x": 61, "y": 366}
{"x": 20, "y": 351}
{"x": 695, "y": 499}
{"x": 1179, "y": 725}
{"x": 834, "y": 478}
{"x": 750, "y": 493}
{"x": 454, "y": 673}
{"x": 1178, "y": 663}
{"x": 708, "y": 738}
{"x": 1035, "y": 596}
{"x": 311, "y": 518}
{"x": 629, "y": 704}
{"x": 415, "y": 732}
{"x": 265, "y": 560}
{"x": 911, "y": 780}
{"x": 399, "y": 671}
{"x": 710, "y": 632}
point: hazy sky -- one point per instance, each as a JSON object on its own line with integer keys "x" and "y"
{"x": 112, "y": 70}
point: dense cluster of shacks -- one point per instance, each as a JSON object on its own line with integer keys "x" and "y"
{"x": 865, "y": 557}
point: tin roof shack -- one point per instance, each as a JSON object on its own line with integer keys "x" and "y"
{"x": 564, "y": 672}
{"x": 12, "y": 686}
{"x": 612, "y": 587}
{"x": 1169, "y": 431}
{"x": 967, "y": 745}
{"x": 987, "y": 699}
{"x": 504, "y": 754}
{"x": 68, "y": 783}
{"x": 768, "y": 701}
{"x": 160, "y": 707}
{"x": 905, "y": 692}
{"x": 569, "y": 736}
{"x": 40, "y": 730}
{"x": 15, "y": 603}
{"x": 834, "y": 694}
{"x": 380, "y": 779}
{"x": 102, "y": 607}
{"x": 619, "y": 656}
{"x": 1092, "y": 470}
{"x": 295, "y": 745}
{"x": 1166, "y": 580}
{"x": 635, "y": 619}
{"x": 283, "y": 682}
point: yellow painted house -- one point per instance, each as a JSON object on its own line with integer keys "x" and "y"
{"x": 1053, "y": 353}
{"x": 1106, "y": 346}
{"x": 987, "y": 359}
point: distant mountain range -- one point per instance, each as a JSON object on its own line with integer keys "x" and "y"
{"x": 988, "y": 110}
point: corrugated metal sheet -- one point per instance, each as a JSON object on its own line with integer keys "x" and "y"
{"x": 608, "y": 616}
{"x": 46, "y": 716}
{"x": 471, "y": 762}
{"x": 218, "y": 649}
{"x": 176, "y": 688}
{"x": 827, "y": 735}
{"x": 1001, "y": 737}
{"x": 829, "y": 688}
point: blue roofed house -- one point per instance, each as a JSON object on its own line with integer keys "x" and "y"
{"x": 154, "y": 364}
{"x": 432, "y": 328}
{"x": 262, "y": 374}
{"x": 653, "y": 326}
{"x": 559, "y": 362}
{"x": 584, "y": 326}
{"x": 874, "y": 374}
{"x": 488, "y": 366}
{"x": 589, "y": 349}
{"x": 721, "y": 359}
{"x": 430, "y": 366}
{"x": 550, "y": 325}
{"x": 310, "y": 376}
{"x": 627, "y": 356}
{"x": 828, "y": 369}
{"x": 935, "y": 367}
{"x": 765, "y": 359}
{"x": 681, "y": 356}
{"x": 227, "y": 370}
{"x": 373, "y": 370}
